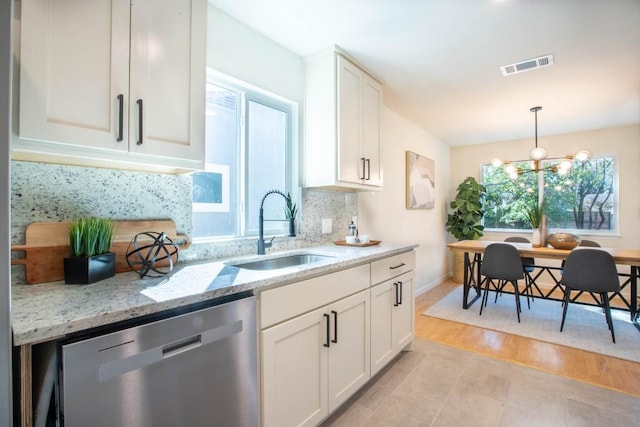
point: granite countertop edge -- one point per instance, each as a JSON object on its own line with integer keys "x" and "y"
{"x": 50, "y": 311}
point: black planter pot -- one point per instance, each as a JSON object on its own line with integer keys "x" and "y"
{"x": 292, "y": 227}
{"x": 85, "y": 270}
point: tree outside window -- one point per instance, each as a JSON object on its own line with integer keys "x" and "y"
{"x": 585, "y": 199}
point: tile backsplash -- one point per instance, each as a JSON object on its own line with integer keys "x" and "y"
{"x": 42, "y": 192}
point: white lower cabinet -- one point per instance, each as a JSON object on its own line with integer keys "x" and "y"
{"x": 392, "y": 319}
{"x": 312, "y": 363}
{"x": 323, "y": 338}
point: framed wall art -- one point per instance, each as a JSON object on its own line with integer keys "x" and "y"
{"x": 420, "y": 181}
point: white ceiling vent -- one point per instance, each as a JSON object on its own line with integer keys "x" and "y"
{"x": 529, "y": 64}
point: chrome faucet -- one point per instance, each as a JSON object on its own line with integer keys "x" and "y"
{"x": 262, "y": 245}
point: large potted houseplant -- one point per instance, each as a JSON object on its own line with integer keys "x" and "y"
{"x": 465, "y": 220}
{"x": 90, "y": 257}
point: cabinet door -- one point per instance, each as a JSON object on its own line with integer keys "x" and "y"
{"x": 392, "y": 319}
{"x": 349, "y": 352}
{"x": 168, "y": 66}
{"x": 74, "y": 65}
{"x": 350, "y": 160}
{"x": 294, "y": 371}
{"x": 404, "y": 314}
{"x": 372, "y": 149}
{"x": 382, "y": 305}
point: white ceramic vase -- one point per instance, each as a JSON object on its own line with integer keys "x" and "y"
{"x": 535, "y": 238}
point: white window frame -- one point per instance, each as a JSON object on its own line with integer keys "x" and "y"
{"x": 583, "y": 232}
{"x": 250, "y": 93}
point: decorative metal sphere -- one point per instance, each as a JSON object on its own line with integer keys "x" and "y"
{"x": 152, "y": 254}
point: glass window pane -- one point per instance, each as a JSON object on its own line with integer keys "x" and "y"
{"x": 584, "y": 199}
{"x": 506, "y": 199}
{"x": 215, "y": 192}
{"x": 267, "y": 141}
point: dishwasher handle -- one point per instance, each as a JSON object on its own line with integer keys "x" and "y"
{"x": 181, "y": 346}
{"x": 151, "y": 356}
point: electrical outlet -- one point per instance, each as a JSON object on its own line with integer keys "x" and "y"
{"x": 327, "y": 227}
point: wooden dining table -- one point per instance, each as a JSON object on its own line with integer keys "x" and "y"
{"x": 473, "y": 250}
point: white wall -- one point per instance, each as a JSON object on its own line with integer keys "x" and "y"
{"x": 623, "y": 143}
{"x": 241, "y": 52}
{"x": 383, "y": 214}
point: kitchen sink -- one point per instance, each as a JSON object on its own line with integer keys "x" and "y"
{"x": 282, "y": 262}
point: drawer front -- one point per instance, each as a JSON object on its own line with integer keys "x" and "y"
{"x": 279, "y": 304}
{"x": 391, "y": 267}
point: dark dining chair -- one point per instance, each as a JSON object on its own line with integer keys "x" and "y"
{"x": 589, "y": 243}
{"x": 594, "y": 271}
{"x": 528, "y": 264}
{"x": 501, "y": 262}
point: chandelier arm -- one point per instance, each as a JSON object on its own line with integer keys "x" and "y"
{"x": 538, "y": 155}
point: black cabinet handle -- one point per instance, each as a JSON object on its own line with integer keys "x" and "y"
{"x": 120, "y": 118}
{"x": 140, "y": 132}
{"x": 363, "y": 160}
{"x": 335, "y": 326}
{"x": 400, "y": 286}
{"x": 402, "y": 264}
{"x": 396, "y": 303}
{"x": 368, "y": 169}
{"x": 326, "y": 316}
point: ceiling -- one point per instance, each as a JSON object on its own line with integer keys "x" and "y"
{"x": 440, "y": 59}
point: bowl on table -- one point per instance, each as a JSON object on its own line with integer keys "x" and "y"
{"x": 563, "y": 240}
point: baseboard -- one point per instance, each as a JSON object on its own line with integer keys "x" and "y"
{"x": 432, "y": 284}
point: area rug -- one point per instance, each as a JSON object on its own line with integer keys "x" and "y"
{"x": 585, "y": 327}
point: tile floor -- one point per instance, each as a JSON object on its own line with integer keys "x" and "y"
{"x": 437, "y": 385}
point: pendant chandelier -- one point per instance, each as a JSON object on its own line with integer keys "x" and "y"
{"x": 562, "y": 166}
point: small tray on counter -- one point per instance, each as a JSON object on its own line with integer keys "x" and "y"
{"x": 344, "y": 243}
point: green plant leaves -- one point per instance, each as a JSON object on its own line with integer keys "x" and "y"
{"x": 90, "y": 236}
{"x": 464, "y": 222}
{"x": 291, "y": 209}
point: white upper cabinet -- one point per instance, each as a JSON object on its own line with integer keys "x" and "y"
{"x": 342, "y": 138}
{"x": 117, "y": 81}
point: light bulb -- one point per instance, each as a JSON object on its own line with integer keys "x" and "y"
{"x": 513, "y": 175}
{"x": 583, "y": 155}
{"x": 566, "y": 165}
{"x": 496, "y": 162}
{"x": 538, "y": 153}
{"x": 510, "y": 169}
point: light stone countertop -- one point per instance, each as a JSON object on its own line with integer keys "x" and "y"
{"x": 49, "y": 311}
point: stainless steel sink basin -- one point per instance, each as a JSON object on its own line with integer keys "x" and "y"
{"x": 282, "y": 262}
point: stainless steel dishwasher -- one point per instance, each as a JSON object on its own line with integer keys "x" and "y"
{"x": 192, "y": 369}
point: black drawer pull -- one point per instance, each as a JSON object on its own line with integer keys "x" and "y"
{"x": 368, "y": 169}
{"x": 396, "y": 303}
{"x": 326, "y": 316}
{"x": 402, "y": 264}
{"x": 120, "y": 118}
{"x": 363, "y": 160}
{"x": 140, "y": 115}
{"x": 400, "y": 286}
{"x": 335, "y": 326}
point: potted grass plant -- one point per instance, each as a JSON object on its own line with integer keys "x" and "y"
{"x": 290, "y": 212}
{"x": 90, "y": 257}
{"x": 537, "y": 220}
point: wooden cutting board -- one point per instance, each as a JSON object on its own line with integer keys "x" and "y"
{"x": 47, "y": 244}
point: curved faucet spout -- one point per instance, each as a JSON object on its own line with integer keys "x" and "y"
{"x": 262, "y": 245}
